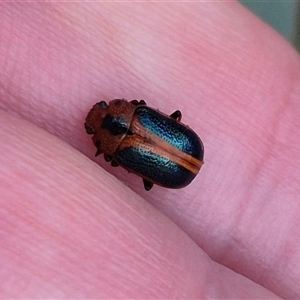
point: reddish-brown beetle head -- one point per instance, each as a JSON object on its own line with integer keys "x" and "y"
{"x": 109, "y": 124}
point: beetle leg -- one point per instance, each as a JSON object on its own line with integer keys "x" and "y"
{"x": 89, "y": 129}
{"x": 108, "y": 157}
{"x": 136, "y": 102}
{"x": 98, "y": 152}
{"x": 176, "y": 115}
{"x": 142, "y": 102}
{"x": 97, "y": 143}
{"x": 102, "y": 104}
{"x": 114, "y": 163}
{"x": 147, "y": 184}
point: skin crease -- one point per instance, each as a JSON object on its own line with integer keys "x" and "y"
{"x": 70, "y": 229}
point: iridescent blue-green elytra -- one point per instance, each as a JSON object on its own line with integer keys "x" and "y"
{"x": 155, "y": 146}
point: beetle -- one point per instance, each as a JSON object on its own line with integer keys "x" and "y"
{"x": 155, "y": 146}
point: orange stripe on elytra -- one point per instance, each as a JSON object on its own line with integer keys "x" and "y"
{"x": 149, "y": 141}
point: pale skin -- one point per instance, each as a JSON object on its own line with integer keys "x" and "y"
{"x": 70, "y": 229}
